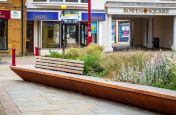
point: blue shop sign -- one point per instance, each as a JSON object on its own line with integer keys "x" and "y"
{"x": 42, "y": 16}
{"x": 94, "y": 16}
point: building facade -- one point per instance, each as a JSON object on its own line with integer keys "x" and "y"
{"x": 48, "y": 26}
{"x": 150, "y": 23}
{"x": 11, "y": 27}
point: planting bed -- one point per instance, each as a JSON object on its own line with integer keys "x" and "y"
{"x": 155, "y": 99}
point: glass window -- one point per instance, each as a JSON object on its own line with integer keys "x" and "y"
{"x": 50, "y": 35}
{"x": 71, "y": 34}
{"x": 3, "y": 34}
{"x": 84, "y": 1}
{"x": 71, "y": 0}
{"x": 94, "y": 32}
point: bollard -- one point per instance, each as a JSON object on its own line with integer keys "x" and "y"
{"x": 36, "y": 51}
{"x": 13, "y": 57}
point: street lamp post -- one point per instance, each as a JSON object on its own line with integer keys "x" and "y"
{"x": 89, "y": 37}
{"x": 63, "y": 7}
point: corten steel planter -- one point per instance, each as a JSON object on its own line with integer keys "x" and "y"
{"x": 158, "y": 102}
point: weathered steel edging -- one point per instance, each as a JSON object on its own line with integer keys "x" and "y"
{"x": 157, "y": 102}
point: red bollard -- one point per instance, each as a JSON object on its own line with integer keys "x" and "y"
{"x": 36, "y": 51}
{"x": 13, "y": 57}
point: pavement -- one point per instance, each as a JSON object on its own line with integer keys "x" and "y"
{"x": 18, "y": 97}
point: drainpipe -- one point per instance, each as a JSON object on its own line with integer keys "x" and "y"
{"x": 22, "y": 26}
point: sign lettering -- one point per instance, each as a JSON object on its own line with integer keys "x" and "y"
{"x": 146, "y": 10}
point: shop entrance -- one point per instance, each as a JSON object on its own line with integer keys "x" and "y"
{"x": 30, "y": 38}
{"x": 142, "y": 32}
{"x": 71, "y": 35}
{"x": 83, "y": 35}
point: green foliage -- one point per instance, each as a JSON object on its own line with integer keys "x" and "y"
{"x": 92, "y": 57}
{"x": 169, "y": 81}
{"x": 138, "y": 67}
{"x": 93, "y": 49}
{"x": 55, "y": 54}
{"x": 92, "y": 65}
{"x": 72, "y": 53}
{"x": 116, "y": 63}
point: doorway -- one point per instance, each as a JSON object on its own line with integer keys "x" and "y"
{"x": 30, "y": 38}
{"x": 71, "y": 35}
{"x": 83, "y": 35}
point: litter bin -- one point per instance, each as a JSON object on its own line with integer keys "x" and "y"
{"x": 155, "y": 42}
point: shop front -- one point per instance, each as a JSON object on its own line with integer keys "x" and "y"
{"x": 49, "y": 29}
{"x": 139, "y": 24}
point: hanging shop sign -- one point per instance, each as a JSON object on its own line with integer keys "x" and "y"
{"x": 15, "y": 14}
{"x": 94, "y": 16}
{"x": 124, "y": 32}
{"x": 4, "y": 14}
{"x": 146, "y": 10}
{"x": 70, "y": 16}
{"x": 42, "y": 16}
{"x": 70, "y": 21}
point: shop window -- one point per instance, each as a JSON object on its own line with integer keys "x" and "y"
{"x": 71, "y": 34}
{"x": 84, "y": 1}
{"x": 71, "y": 0}
{"x": 3, "y": 34}
{"x": 50, "y": 34}
{"x": 94, "y": 32}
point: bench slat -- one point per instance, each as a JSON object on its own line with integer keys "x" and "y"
{"x": 64, "y": 65}
{"x": 61, "y": 63}
{"x": 59, "y": 66}
{"x": 59, "y": 69}
{"x": 56, "y": 59}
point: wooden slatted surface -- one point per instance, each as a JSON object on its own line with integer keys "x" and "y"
{"x": 64, "y": 65}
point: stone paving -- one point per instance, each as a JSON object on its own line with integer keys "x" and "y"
{"x": 18, "y": 97}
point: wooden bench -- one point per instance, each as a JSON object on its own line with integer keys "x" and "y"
{"x": 63, "y": 65}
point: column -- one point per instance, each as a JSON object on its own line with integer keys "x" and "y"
{"x": 174, "y": 34}
{"x": 150, "y": 33}
{"x": 100, "y": 33}
{"x": 109, "y": 36}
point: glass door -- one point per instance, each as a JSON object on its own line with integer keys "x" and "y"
{"x": 83, "y": 32}
{"x": 30, "y": 38}
{"x": 71, "y": 35}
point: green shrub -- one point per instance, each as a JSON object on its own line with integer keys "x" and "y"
{"x": 92, "y": 57}
{"x": 55, "y": 54}
{"x": 168, "y": 81}
{"x": 72, "y": 53}
{"x": 92, "y": 49}
{"x": 92, "y": 65}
